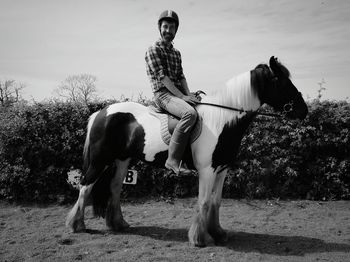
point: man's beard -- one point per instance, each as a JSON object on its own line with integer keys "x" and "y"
{"x": 168, "y": 37}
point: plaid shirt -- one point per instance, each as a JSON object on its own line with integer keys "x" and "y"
{"x": 161, "y": 61}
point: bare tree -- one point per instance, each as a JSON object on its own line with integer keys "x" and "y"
{"x": 10, "y": 92}
{"x": 78, "y": 88}
{"x": 321, "y": 89}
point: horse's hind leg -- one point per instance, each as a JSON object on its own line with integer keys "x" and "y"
{"x": 75, "y": 218}
{"x": 198, "y": 233}
{"x": 215, "y": 230}
{"x": 114, "y": 216}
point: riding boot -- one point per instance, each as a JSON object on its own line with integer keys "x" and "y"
{"x": 177, "y": 147}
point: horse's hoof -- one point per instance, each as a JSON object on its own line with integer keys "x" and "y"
{"x": 120, "y": 226}
{"x": 199, "y": 244}
{"x": 78, "y": 227}
{"x": 198, "y": 237}
{"x": 197, "y": 241}
{"x": 202, "y": 241}
{"x": 221, "y": 240}
{"x": 219, "y": 236}
{"x": 124, "y": 225}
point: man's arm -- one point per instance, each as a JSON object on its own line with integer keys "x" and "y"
{"x": 171, "y": 87}
{"x": 185, "y": 87}
{"x": 191, "y": 99}
{"x": 184, "y": 84}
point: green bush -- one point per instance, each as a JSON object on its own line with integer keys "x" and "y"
{"x": 41, "y": 143}
{"x": 308, "y": 159}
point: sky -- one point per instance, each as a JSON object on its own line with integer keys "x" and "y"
{"x": 45, "y": 41}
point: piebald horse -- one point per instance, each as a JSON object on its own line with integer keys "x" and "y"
{"x": 125, "y": 131}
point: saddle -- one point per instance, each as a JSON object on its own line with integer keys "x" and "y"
{"x": 168, "y": 123}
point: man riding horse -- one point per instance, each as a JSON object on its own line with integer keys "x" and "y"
{"x": 122, "y": 132}
{"x": 170, "y": 88}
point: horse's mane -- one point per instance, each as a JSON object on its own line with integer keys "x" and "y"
{"x": 237, "y": 93}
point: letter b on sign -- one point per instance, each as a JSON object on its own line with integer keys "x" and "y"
{"x": 130, "y": 178}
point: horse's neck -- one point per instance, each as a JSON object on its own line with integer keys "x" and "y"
{"x": 238, "y": 94}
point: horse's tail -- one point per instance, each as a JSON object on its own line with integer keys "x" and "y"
{"x": 101, "y": 192}
{"x": 86, "y": 151}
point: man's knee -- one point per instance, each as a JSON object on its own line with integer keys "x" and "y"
{"x": 191, "y": 116}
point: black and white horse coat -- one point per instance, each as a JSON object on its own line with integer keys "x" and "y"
{"x": 125, "y": 131}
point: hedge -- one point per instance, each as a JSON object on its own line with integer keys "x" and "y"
{"x": 41, "y": 143}
{"x": 291, "y": 159}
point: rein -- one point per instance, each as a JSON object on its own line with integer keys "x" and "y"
{"x": 286, "y": 108}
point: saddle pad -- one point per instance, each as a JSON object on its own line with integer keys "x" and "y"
{"x": 164, "y": 126}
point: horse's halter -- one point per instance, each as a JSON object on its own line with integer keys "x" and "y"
{"x": 289, "y": 106}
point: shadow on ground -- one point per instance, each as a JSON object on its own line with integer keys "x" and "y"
{"x": 245, "y": 242}
{"x": 281, "y": 245}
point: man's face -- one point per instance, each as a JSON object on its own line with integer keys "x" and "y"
{"x": 168, "y": 30}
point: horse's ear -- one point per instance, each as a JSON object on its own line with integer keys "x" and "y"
{"x": 274, "y": 65}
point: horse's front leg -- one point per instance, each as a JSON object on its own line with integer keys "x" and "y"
{"x": 198, "y": 233}
{"x": 215, "y": 230}
{"x": 114, "y": 216}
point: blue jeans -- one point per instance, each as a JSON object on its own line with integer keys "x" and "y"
{"x": 179, "y": 108}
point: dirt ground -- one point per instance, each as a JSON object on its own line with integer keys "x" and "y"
{"x": 258, "y": 231}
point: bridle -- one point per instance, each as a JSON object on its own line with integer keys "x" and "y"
{"x": 288, "y": 107}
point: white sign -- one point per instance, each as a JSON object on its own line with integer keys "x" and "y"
{"x": 130, "y": 178}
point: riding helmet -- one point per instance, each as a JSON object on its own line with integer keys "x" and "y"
{"x": 168, "y": 15}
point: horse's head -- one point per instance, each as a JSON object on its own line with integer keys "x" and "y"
{"x": 279, "y": 91}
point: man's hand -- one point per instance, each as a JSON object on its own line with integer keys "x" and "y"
{"x": 191, "y": 99}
